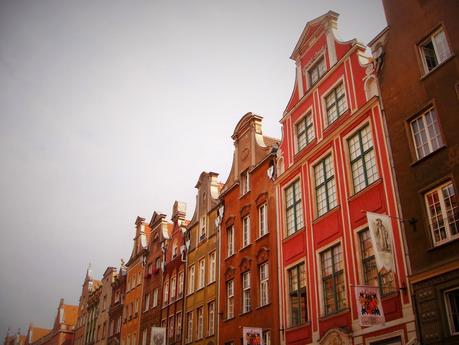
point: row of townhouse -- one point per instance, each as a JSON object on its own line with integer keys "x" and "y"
{"x": 353, "y": 212}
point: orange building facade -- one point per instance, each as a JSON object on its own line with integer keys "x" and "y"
{"x": 248, "y": 280}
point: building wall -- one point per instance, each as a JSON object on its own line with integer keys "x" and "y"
{"x": 252, "y": 156}
{"x": 408, "y": 91}
{"x": 338, "y": 227}
{"x": 117, "y": 306}
{"x": 151, "y": 313}
{"x": 103, "y": 322}
{"x": 203, "y": 246}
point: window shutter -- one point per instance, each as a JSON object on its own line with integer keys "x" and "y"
{"x": 441, "y": 46}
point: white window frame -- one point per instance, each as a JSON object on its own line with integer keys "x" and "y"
{"x": 181, "y": 285}
{"x": 298, "y": 215}
{"x": 331, "y": 90}
{"x": 170, "y": 331}
{"x": 443, "y": 212}
{"x": 230, "y": 299}
{"x": 166, "y": 293}
{"x": 245, "y": 182}
{"x": 264, "y": 284}
{"x": 246, "y": 297}
{"x": 315, "y": 66}
{"x": 245, "y": 231}
{"x": 178, "y": 328}
{"x": 147, "y": 302}
{"x": 191, "y": 279}
{"x": 200, "y": 319}
{"x": 308, "y": 139}
{"x": 263, "y": 220}
{"x": 430, "y": 137}
{"x": 330, "y": 205}
{"x": 440, "y": 56}
{"x": 189, "y": 329}
{"x": 155, "y": 297}
{"x": 173, "y": 285}
{"x": 212, "y": 267}
{"x": 202, "y": 273}
{"x": 211, "y": 318}
{"x": 202, "y": 229}
{"x": 230, "y": 240}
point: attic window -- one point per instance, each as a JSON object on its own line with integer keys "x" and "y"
{"x": 245, "y": 182}
{"x": 316, "y": 71}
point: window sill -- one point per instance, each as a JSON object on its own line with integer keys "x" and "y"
{"x": 263, "y": 306}
{"x": 262, "y": 237}
{"x": 245, "y": 312}
{"x": 291, "y": 328}
{"x": 334, "y": 314}
{"x": 367, "y": 188}
{"x": 330, "y": 126}
{"x": 229, "y": 319}
{"x": 244, "y": 195}
{"x": 427, "y": 74}
{"x": 211, "y": 282}
{"x": 418, "y": 161}
{"x": 244, "y": 248}
{"x": 229, "y": 257}
{"x": 319, "y": 218}
{"x": 294, "y": 234}
{"x": 443, "y": 244}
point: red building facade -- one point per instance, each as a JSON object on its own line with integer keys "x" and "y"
{"x": 248, "y": 286}
{"x": 333, "y": 167}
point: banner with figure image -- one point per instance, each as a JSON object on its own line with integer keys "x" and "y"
{"x": 158, "y": 336}
{"x": 380, "y": 227}
{"x": 369, "y": 305}
{"x": 252, "y": 336}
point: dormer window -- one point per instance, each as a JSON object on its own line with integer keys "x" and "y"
{"x": 316, "y": 71}
{"x": 245, "y": 182}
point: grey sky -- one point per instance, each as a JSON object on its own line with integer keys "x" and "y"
{"x": 111, "y": 109}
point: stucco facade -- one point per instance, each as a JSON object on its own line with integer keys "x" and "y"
{"x": 248, "y": 286}
{"x": 418, "y": 71}
{"x": 201, "y": 297}
{"x": 333, "y": 168}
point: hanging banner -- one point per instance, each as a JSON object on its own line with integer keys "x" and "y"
{"x": 369, "y": 306}
{"x": 252, "y": 336}
{"x": 158, "y": 336}
{"x": 380, "y": 227}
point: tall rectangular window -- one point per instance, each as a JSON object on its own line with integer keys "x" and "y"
{"x": 316, "y": 71}
{"x": 230, "y": 299}
{"x": 452, "y": 310}
{"x": 178, "y": 327}
{"x": 297, "y": 295}
{"x": 263, "y": 220}
{"x": 211, "y": 318}
{"x": 189, "y": 330}
{"x": 144, "y": 337}
{"x": 155, "y": 297}
{"x": 434, "y": 50}
{"x": 202, "y": 273}
{"x": 200, "y": 330}
{"x": 324, "y": 176}
{"x": 443, "y": 212}
{"x": 246, "y": 303}
{"x": 335, "y": 103}
{"x": 181, "y": 284}
{"x": 332, "y": 269}
{"x": 245, "y": 231}
{"x": 147, "y": 302}
{"x": 171, "y": 327}
{"x": 293, "y": 208}
{"x": 166, "y": 293}
{"x": 245, "y": 182}
{"x": 264, "y": 284}
{"x": 191, "y": 280}
{"x": 173, "y": 288}
{"x": 304, "y": 132}
{"x": 426, "y": 133}
{"x": 230, "y": 238}
{"x": 363, "y": 161}
{"x": 371, "y": 276}
{"x": 212, "y": 266}
{"x": 202, "y": 228}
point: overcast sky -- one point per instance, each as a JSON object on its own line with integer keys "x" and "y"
{"x": 112, "y": 109}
